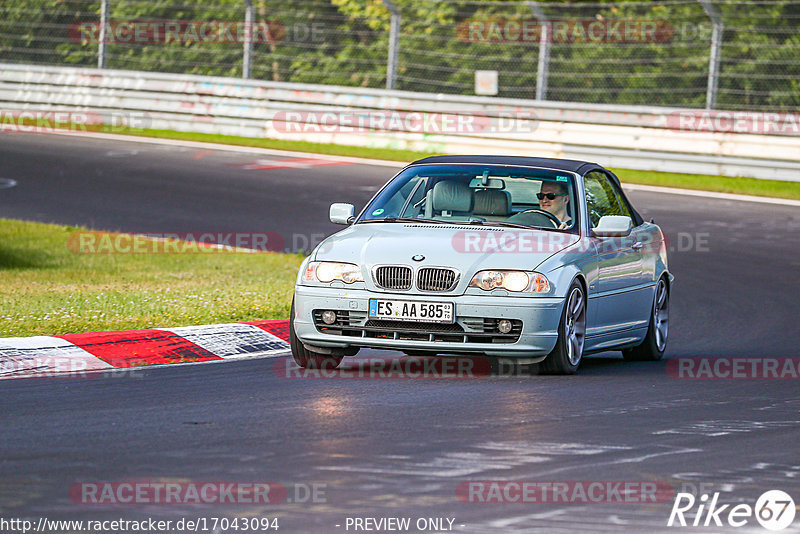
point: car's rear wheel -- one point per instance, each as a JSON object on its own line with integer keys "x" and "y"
{"x": 568, "y": 352}
{"x": 306, "y": 358}
{"x": 655, "y": 342}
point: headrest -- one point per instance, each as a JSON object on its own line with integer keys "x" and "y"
{"x": 451, "y": 196}
{"x": 492, "y": 202}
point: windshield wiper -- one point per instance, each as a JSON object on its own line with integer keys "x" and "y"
{"x": 503, "y": 224}
{"x": 403, "y": 219}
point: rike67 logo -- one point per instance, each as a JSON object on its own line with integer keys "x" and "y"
{"x": 774, "y": 510}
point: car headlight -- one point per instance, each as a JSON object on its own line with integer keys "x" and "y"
{"x": 328, "y": 271}
{"x": 516, "y": 281}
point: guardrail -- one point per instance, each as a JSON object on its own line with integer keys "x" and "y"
{"x": 647, "y": 138}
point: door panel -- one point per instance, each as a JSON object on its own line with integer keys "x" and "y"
{"x": 622, "y": 290}
{"x": 623, "y": 285}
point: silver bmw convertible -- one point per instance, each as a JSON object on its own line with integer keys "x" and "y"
{"x": 540, "y": 260}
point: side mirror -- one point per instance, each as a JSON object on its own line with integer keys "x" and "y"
{"x": 342, "y": 213}
{"x": 613, "y": 226}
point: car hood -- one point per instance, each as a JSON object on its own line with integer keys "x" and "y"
{"x": 463, "y": 247}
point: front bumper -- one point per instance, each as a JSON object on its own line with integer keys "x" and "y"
{"x": 540, "y": 317}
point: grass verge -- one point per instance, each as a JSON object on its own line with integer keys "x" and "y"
{"x": 390, "y": 154}
{"x": 45, "y": 288}
{"x": 702, "y": 182}
{"x": 718, "y": 184}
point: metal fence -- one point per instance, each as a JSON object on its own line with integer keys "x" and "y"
{"x": 722, "y": 54}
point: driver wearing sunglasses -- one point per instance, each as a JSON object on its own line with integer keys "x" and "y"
{"x": 553, "y": 198}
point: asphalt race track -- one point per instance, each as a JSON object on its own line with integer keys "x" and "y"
{"x": 401, "y": 447}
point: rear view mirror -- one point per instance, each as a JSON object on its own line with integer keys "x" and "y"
{"x": 491, "y": 183}
{"x": 613, "y": 226}
{"x": 342, "y": 213}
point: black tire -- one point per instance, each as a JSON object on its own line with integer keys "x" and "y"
{"x": 566, "y": 356}
{"x": 655, "y": 342}
{"x": 306, "y": 358}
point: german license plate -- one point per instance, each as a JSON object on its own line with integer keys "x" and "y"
{"x": 412, "y": 310}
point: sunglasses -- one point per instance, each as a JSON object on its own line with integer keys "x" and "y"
{"x": 549, "y": 196}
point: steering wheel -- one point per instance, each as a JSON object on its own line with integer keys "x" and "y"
{"x": 550, "y": 217}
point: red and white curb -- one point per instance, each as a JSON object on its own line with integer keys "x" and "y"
{"x": 80, "y": 354}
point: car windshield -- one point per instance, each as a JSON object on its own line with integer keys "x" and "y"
{"x": 478, "y": 194}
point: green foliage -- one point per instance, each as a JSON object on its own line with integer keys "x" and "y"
{"x": 345, "y": 42}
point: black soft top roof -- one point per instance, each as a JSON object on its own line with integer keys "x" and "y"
{"x": 551, "y": 163}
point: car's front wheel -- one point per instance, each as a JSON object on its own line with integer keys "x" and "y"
{"x": 306, "y": 358}
{"x": 655, "y": 342}
{"x": 568, "y": 352}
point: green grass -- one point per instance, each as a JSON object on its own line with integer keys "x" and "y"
{"x": 390, "y": 154}
{"x": 46, "y": 288}
{"x": 703, "y": 182}
{"x": 720, "y": 184}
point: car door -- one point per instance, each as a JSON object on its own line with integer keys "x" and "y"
{"x": 622, "y": 292}
{"x": 646, "y": 237}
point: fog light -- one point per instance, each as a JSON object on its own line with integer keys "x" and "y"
{"x": 328, "y": 317}
{"x": 504, "y": 326}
